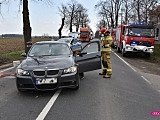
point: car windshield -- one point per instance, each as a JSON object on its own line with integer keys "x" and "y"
{"x": 49, "y": 49}
{"x": 141, "y": 32}
{"x": 74, "y": 41}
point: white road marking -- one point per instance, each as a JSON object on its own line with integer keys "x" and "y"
{"x": 146, "y": 80}
{"x": 125, "y": 62}
{"x": 131, "y": 67}
{"x": 6, "y": 69}
{"x": 46, "y": 109}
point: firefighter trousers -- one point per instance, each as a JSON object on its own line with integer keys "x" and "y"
{"x": 106, "y": 62}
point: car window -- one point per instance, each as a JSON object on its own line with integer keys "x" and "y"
{"x": 74, "y": 41}
{"x": 49, "y": 49}
{"x": 91, "y": 48}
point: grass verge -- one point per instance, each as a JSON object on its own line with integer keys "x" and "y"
{"x": 10, "y": 57}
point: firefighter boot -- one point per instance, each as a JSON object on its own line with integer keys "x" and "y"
{"x": 103, "y": 72}
{"x": 107, "y": 76}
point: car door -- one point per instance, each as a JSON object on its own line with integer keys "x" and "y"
{"x": 90, "y": 57}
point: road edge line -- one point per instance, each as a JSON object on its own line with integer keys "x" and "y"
{"x": 124, "y": 61}
{"x": 1, "y": 71}
{"x": 146, "y": 80}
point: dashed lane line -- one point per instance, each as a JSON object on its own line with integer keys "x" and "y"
{"x": 46, "y": 109}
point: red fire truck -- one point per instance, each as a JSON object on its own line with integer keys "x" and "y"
{"x": 135, "y": 37}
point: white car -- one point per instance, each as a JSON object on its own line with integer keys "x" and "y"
{"x": 70, "y": 41}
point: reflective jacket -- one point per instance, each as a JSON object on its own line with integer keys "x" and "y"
{"x": 106, "y": 44}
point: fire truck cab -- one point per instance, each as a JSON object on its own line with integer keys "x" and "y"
{"x": 135, "y": 37}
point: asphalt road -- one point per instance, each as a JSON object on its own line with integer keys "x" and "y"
{"x": 125, "y": 96}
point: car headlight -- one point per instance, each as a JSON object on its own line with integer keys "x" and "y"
{"x": 70, "y": 70}
{"x": 22, "y": 72}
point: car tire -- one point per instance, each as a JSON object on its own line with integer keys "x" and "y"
{"x": 118, "y": 49}
{"x": 18, "y": 88}
{"x": 147, "y": 55}
{"x": 124, "y": 54}
{"x": 77, "y": 83}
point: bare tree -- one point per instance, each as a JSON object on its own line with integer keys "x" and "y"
{"x": 80, "y": 17}
{"x": 75, "y": 15}
{"x": 26, "y": 22}
{"x": 26, "y": 25}
{"x": 72, "y": 10}
{"x": 109, "y": 9}
{"x": 148, "y": 5}
{"x": 62, "y": 12}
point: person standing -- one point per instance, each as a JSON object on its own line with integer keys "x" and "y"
{"x": 106, "y": 54}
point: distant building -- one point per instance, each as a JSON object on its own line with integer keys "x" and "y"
{"x": 12, "y": 36}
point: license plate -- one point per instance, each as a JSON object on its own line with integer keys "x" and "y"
{"x": 40, "y": 81}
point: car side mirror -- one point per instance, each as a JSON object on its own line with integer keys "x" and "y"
{"x": 24, "y": 54}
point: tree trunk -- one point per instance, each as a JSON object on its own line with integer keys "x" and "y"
{"x": 60, "y": 29}
{"x": 70, "y": 26}
{"x": 26, "y": 26}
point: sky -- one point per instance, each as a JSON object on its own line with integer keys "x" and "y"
{"x": 44, "y": 18}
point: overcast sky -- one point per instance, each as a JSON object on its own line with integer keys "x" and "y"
{"x": 44, "y": 19}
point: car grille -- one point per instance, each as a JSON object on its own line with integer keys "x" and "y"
{"x": 45, "y": 72}
{"x": 39, "y": 73}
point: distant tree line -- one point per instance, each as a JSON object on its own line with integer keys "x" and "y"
{"x": 113, "y": 12}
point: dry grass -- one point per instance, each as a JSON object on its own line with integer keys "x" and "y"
{"x": 11, "y": 48}
{"x": 8, "y": 45}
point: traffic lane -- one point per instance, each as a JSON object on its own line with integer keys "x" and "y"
{"x": 20, "y": 106}
{"x": 125, "y": 96}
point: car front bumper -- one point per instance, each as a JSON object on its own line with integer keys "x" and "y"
{"x": 63, "y": 81}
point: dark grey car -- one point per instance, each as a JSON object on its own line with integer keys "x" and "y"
{"x": 50, "y": 65}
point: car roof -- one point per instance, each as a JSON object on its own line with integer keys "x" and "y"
{"x": 67, "y": 38}
{"x": 49, "y": 42}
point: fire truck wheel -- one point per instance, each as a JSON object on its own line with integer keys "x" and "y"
{"x": 123, "y": 52}
{"x": 147, "y": 55}
{"x": 118, "y": 49}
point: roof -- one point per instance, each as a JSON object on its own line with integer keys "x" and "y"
{"x": 49, "y": 42}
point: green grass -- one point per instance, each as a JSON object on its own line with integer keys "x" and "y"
{"x": 9, "y": 57}
{"x": 155, "y": 57}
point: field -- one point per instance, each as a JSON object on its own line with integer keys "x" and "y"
{"x": 11, "y": 48}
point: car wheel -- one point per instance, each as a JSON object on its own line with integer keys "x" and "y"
{"x": 18, "y": 88}
{"x": 147, "y": 55}
{"x": 77, "y": 83}
{"x": 118, "y": 49}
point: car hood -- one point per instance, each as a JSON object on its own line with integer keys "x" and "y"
{"x": 47, "y": 62}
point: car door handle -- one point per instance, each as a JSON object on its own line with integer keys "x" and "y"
{"x": 97, "y": 56}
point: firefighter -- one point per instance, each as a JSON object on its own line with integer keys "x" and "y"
{"x": 106, "y": 53}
